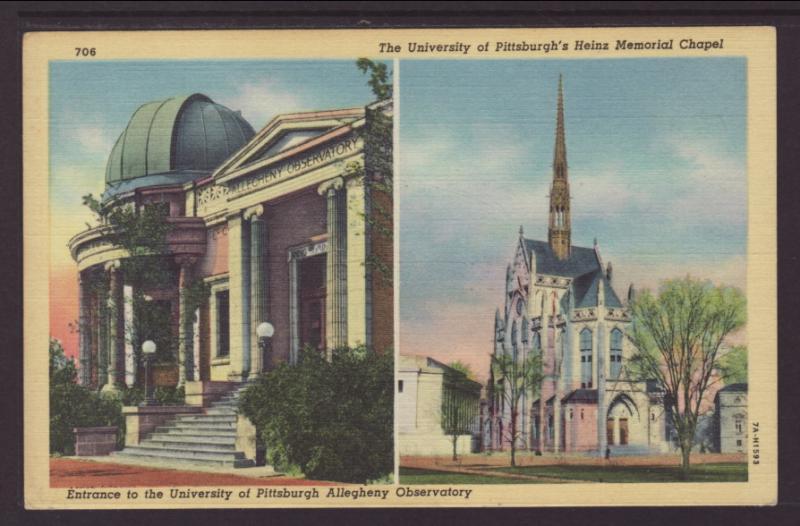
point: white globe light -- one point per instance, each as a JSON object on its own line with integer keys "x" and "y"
{"x": 265, "y": 330}
{"x": 149, "y": 347}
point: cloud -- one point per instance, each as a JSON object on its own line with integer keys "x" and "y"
{"x": 260, "y": 101}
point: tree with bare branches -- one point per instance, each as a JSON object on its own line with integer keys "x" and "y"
{"x": 513, "y": 378}
{"x": 679, "y": 336}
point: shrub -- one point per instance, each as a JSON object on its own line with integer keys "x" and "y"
{"x": 331, "y": 419}
{"x": 72, "y": 405}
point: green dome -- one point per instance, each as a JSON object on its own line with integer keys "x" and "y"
{"x": 177, "y": 136}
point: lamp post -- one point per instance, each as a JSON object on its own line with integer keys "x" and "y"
{"x": 264, "y": 331}
{"x": 149, "y": 351}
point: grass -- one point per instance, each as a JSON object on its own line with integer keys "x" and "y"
{"x": 427, "y": 476}
{"x": 723, "y": 472}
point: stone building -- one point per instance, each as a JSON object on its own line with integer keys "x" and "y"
{"x": 276, "y": 223}
{"x": 560, "y": 302}
{"x": 730, "y": 419}
{"x": 426, "y": 388}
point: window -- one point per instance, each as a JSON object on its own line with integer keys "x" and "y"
{"x": 738, "y": 425}
{"x": 616, "y": 353}
{"x": 738, "y": 443}
{"x": 586, "y": 358}
{"x": 223, "y": 325}
{"x": 570, "y": 414}
{"x": 400, "y": 386}
{"x": 581, "y": 414}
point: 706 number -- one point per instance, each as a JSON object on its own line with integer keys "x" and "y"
{"x": 85, "y": 52}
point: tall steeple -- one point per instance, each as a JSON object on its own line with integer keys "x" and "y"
{"x": 559, "y": 230}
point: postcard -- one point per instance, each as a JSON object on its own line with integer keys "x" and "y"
{"x": 400, "y": 268}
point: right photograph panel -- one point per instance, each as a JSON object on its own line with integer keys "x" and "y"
{"x": 573, "y": 252}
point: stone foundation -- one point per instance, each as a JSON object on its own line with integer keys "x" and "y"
{"x": 95, "y": 441}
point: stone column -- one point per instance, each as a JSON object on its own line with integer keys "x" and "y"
{"x": 185, "y": 355}
{"x": 336, "y": 300}
{"x": 84, "y": 337}
{"x": 239, "y": 290}
{"x": 359, "y": 298}
{"x": 102, "y": 333}
{"x": 116, "y": 332}
{"x": 258, "y": 283}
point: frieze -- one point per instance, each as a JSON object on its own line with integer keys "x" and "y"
{"x": 292, "y": 167}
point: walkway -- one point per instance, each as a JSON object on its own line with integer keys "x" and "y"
{"x": 78, "y": 473}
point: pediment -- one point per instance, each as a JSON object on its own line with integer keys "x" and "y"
{"x": 285, "y": 134}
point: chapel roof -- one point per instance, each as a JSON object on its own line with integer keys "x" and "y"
{"x": 582, "y": 265}
{"x": 178, "y": 139}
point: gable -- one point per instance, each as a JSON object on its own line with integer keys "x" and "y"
{"x": 285, "y": 134}
{"x": 288, "y": 140}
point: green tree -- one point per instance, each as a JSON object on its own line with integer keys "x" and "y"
{"x": 513, "y": 379}
{"x": 378, "y": 170}
{"x": 733, "y": 365}
{"x": 463, "y": 368}
{"x": 72, "y": 405}
{"x": 143, "y": 232}
{"x": 460, "y": 406}
{"x": 332, "y": 419}
{"x": 678, "y": 336}
{"x": 379, "y": 77}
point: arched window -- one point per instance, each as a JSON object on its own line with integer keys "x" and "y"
{"x": 616, "y": 353}
{"x": 586, "y": 358}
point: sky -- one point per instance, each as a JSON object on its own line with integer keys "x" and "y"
{"x": 656, "y": 150}
{"x": 91, "y": 103}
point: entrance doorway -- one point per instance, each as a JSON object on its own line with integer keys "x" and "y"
{"x": 623, "y": 431}
{"x": 610, "y": 431}
{"x": 311, "y": 295}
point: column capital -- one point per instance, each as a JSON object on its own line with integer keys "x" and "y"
{"x": 254, "y": 212}
{"x": 337, "y": 183}
{"x": 112, "y": 265}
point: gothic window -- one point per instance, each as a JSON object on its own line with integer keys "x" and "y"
{"x": 616, "y": 353}
{"x": 586, "y": 358}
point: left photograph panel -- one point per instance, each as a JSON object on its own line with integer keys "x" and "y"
{"x": 221, "y": 259}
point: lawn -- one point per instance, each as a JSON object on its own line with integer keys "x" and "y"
{"x": 427, "y": 476}
{"x": 724, "y": 472}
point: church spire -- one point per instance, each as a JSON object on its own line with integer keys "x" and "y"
{"x": 559, "y": 232}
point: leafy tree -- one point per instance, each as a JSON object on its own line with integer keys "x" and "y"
{"x": 513, "y": 379}
{"x": 379, "y": 77}
{"x": 460, "y": 406}
{"x": 463, "y": 368}
{"x": 733, "y": 365}
{"x": 143, "y": 234}
{"x": 678, "y": 335}
{"x": 332, "y": 419}
{"x": 72, "y": 405}
{"x": 378, "y": 171}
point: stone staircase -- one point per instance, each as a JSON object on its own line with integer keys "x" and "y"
{"x": 207, "y": 438}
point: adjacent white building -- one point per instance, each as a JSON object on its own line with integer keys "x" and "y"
{"x": 424, "y": 387}
{"x": 731, "y": 418}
